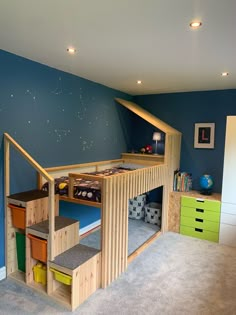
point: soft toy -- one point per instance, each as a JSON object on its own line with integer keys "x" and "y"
{"x": 148, "y": 148}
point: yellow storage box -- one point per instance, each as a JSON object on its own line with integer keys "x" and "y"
{"x": 40, "y": 273}
{"x": 61, "y": 277}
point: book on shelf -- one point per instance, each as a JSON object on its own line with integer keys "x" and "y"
{"x": 182, "y": 181}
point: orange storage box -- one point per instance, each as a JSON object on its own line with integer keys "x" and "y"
{"x": 18, "y": 216}
{"x": 38, "y": 248}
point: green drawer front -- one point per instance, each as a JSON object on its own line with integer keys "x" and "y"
{"x": 203, "y": 234}
{"x": 200, "y": 214}
{"x": 212, "y": 205}
{"x": 200, "y": 224}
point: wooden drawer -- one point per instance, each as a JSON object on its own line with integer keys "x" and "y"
{"x": 199, "y": 203}
{"x": 199, "y": 233}
{"x": 200, "y": 214}
{"x": 200, "y": 224}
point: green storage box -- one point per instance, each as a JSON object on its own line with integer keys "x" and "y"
{"x": 20, "y": 250}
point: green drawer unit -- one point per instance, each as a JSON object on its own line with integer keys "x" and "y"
{"x": 200, "y": 224}
{"x": 199, "y": 203}
{"x": 200, "y": 214}
{"x": 200, "y": 218}
{"x": 199, "y": 233}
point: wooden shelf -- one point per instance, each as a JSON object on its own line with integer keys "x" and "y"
{"x": 18, "y": 275}
{"x": 63, "y": 295}
{"x": 38, "y": 286}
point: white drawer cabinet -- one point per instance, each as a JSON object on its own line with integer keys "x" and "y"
{"x": 228, "y": 206}
{"x": 228, "y": 219}
{"x": 227, "y": 234}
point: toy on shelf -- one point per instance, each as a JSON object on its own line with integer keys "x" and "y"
{"x": 147, "y": 149}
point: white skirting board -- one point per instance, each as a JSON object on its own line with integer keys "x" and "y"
{"x": 89, "y": 227}
{"x": 2, "y": 273}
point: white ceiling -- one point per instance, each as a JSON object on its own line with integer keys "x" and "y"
{"x": 121, "y": 41}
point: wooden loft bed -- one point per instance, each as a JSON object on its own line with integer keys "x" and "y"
{"x": 98, "y": 172}
{"x": 116, "y": 190}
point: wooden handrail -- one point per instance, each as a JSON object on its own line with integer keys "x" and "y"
{"x": 39, "y": 168}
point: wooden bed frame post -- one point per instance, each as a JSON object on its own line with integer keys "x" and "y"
{"x": 6, "y": 191}
{"x": 51, "y": 211}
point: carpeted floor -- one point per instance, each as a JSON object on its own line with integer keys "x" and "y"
{"x": 175, "y": 275}
{"x": 138, "y": 232}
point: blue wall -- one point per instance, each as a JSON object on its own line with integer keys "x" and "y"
{"x": 58, "y": 118}
{"x": 182, "y": 111}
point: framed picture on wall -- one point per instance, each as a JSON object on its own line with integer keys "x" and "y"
{"x": 204, "y": 135}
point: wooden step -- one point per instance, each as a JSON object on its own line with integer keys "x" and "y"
{"x": 83, "y": 264}
{"x": 66, "y": 236}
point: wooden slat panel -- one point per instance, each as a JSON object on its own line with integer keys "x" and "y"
{"x": 124, "y": 223}
{"x": 85, "y": 280}
{"x": 116, "y": 229}
{"x": 117, "y": 192}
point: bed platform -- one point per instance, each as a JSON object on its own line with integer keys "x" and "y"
{"x": 115, "y": 191}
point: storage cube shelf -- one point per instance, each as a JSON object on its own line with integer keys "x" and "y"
{"x": 200, "y": 218}
{"x": 78, "y": 268}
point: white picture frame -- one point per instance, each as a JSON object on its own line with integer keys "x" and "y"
{"x": 204, "y": 136}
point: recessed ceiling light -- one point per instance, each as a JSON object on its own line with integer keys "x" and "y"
{"x": 224, "y": 74}
{"x": 195, "y": 24}
{"x": 139, "y": 82}
{"x": 71, "y": 50}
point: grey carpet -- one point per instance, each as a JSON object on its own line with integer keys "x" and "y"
{"x": 138, "y": 230}
{"x": 175, "y": 275}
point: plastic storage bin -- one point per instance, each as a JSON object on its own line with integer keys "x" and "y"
{"x": 20, "y": 250}
{"x": 62, "y": 277}
{"x": 38, "y": 248}
{"x": 18, "y": 216}
{"x": 40, "y": 273}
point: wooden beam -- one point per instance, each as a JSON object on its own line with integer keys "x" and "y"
{"x": 6, "y": 192}
{"x": 153, "y": 120}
